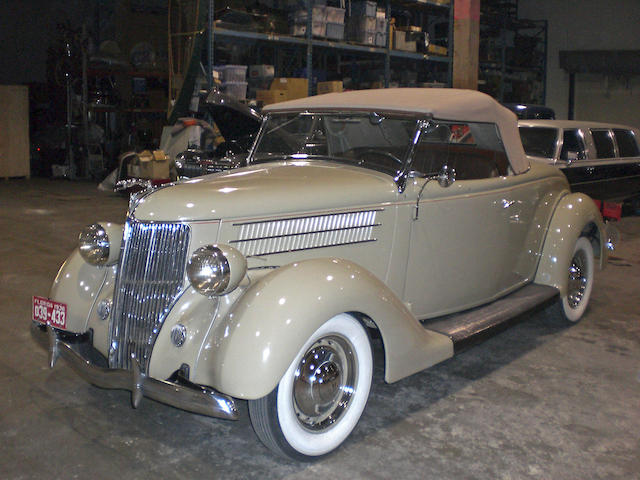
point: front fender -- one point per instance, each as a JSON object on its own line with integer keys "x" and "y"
{"x": 77, "y": 284}
{"x": 572, "y": 216}
{"x": 248, "y": 350}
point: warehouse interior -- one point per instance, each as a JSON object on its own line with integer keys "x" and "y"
{"x": 86, "y": 86}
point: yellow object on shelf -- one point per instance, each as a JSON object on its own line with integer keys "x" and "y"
{"x": 327, "y": 87}
{"x": 295, "y": 87}
{"x": 268, "y": 97}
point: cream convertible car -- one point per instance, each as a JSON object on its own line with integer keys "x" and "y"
{"x": 410, "y": 212}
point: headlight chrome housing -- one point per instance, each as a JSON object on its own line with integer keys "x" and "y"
{"x": 216, "y": 269}
{"x": 99, "y": 243}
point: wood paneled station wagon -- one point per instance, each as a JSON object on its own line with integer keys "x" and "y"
{"x": 413, "y": 214}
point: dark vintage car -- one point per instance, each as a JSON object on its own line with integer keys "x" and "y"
{"x": 599, "y": 159}
{"x": 237, "y": 123}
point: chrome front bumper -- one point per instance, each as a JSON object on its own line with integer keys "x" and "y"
{"x": 183, "y": 394}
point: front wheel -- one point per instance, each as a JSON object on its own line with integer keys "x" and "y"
{"x": 321, "y": 396}
{"x": 571, "y": 306}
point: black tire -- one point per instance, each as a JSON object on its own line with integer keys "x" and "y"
{"x": 570, "y": 308}
{"x": 309, "y": 415}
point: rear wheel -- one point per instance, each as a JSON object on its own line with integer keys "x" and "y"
{"x": 321, "y": 396}
{"x": 571, "y": 306}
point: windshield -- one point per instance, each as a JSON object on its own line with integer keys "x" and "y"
{"x": 539, "y": 141}
{"x": 364, "y": 139}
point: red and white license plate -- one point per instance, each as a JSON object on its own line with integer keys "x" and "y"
{"x": 49, "y": 312}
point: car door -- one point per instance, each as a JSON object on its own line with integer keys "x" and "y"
{"x": 468, "y": 241}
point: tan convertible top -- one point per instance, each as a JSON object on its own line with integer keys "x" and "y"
{"x": 441, "y": 103}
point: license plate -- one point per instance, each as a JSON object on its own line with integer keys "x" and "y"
{"x": 49, "y": 312}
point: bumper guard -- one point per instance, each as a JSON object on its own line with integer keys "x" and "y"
{"x": 181, "y": 394}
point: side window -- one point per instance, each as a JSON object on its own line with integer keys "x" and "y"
{"x": 604, "y": 143}
{"x": 627, "y": 144}
{"x": 474, "y": 150}
{"x": 573, "y": 142}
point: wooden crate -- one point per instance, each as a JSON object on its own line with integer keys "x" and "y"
{"x": 14, "y": 131}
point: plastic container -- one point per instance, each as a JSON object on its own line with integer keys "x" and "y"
{"x": 319, "y": 29}
{"x": 318, "y": 14}
{"x": 237, "y": 90}
{"x": 362, "y": 24}
{"x": 363, "y": 9}
{"x": 234, "y": 73}
{"x": 381, "y": 39}
{"x": 261, "y": 71}
{"x": 335, "y": 31}
{"x": 365, "y": 37}
{"x": 335, "y": 15}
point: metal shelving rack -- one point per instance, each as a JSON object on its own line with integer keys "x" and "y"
{"x": 499, "y": 20}
{"x": 312, "y": 44}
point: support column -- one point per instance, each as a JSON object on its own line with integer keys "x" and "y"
{"x": 466, "y": 43}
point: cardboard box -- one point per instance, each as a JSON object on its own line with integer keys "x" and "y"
{"x": 268, "y": 97}
{"x": 295, "y": 87}
{"x": 152, "y": 165}
{"x": 327, "y": 87}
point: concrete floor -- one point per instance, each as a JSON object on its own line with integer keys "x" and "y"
{"x": 537, "y": 401}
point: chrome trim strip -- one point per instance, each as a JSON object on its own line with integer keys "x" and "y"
{"x": 304, "y": 217}
{"x": 305, "y": 233}
{"x": 267, "y": 237}
{"x": 184, "y": 395}
{"x": 310, "y": 248}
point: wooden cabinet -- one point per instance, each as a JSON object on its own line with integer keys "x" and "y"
{"x": 14, "y": 131}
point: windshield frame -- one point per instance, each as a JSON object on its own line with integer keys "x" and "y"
{"x": 402, "y": 172}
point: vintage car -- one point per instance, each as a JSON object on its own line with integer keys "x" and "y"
{"x": 236, "y": 126}
{"x": 406, "y": 215}
{"x": 599, "y": 159}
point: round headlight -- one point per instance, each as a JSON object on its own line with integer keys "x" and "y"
{"x": 99, "y": 243}
{"x": 93, "y": 243}
{"x": 216, "y": 269}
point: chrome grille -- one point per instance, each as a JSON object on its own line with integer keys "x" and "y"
{"x": 150, "y": 277}
{"x": 302, "y": 233}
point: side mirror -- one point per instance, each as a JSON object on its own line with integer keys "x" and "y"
{"x": 446, "y": 176}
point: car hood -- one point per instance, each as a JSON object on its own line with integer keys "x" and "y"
{"x": 267, "y": 189}
{"x": 236, "y": 121}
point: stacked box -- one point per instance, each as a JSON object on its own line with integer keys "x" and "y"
{"x": 318, "y": 22}
{"x": 363, "y": 8}
{"x": 237, "y": 90}
{"x": 327, "y": 87}
{"x": 231, "y": 73}
{"x": 335, "y": 31}
{"x": 268, "y": 97}
{"x": 294, "y": 87}
{"x": 335, "y": 15}
{"x": 404, "y": 41}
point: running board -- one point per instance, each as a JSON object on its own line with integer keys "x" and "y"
{"x": 473, "y": 326}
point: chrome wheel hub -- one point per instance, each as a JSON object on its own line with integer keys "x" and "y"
{"x": 578, "y": 277}
{"x": 324, "y": 382}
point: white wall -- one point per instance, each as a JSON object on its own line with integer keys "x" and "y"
{"x": 590, "y": 25}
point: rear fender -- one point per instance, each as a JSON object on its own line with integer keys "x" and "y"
{"x": 250, "y": 348}
{"x": 572, "y": 218}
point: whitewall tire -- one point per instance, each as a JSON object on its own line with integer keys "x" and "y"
{"x": 572, "y": 306}
{"x": 321, "y": 396}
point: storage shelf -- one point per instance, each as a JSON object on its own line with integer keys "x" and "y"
{"x": 347, "y": 47}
